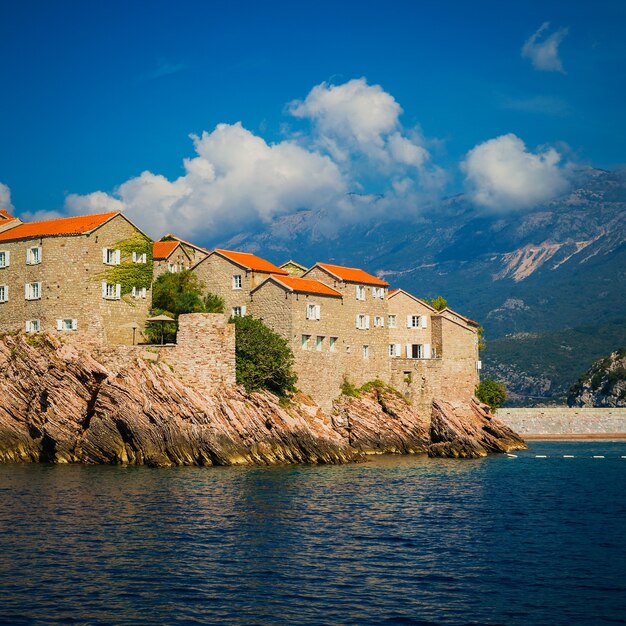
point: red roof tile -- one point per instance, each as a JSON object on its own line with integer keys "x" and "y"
{"x": 307, "y": 285}
{"x": 63, "y": 226}
{"x": 162, "y": 249}
{"x": 352, "y": 274}
{"x": 5, "y": 216}
{"x": 252, "y": 262}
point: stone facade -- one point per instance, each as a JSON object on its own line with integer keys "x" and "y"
{"x": 69, "y": 275}
{"x": 176, "y": 261}
{"x": 410, "y": 323}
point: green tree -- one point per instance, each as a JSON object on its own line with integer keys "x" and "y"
{"x": 439, "y": 303}
{"x": 177, "y": 293}
{"x": 491, "y": 392}
{"x": 482, "y": 344}
{"x": 213, "y": 303}
{"x": 263, "y": 358}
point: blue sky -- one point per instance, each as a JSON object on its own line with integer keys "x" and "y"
{"x": 95, "y": 93}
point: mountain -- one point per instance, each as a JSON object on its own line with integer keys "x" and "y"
{"x": 603, "y": 385}
{"x": 556, "y": 267}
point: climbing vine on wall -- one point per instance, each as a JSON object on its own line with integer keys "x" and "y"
{"x": 129, "y": 274}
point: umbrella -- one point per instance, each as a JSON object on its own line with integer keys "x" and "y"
{"x": 134, "y": 326}
{"x": 161, "y": 319}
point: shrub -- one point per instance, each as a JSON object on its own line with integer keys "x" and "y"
{"x": 263, "y": 358}
{"x": 350, "y": 390}
{"x": 213, "y": 303}
{"x": 177, "y": 293}
{"x": 439, "y": 303}
{"x": 491, "y": 392}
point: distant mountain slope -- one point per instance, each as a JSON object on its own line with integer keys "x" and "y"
{"x": 603, "y": 385}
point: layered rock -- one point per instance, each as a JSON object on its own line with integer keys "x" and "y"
{"x": 603, "y": 385}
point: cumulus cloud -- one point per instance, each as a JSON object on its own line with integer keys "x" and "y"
{"x": 543, "y": 49}
{"x": 5, "y": 197}
{"x": 501, "y": 174}
{"x": 235, "y": 178}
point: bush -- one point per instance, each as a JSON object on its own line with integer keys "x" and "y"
{"x": 350, "y": 390}
{"x": 263, "y": 358}
{"x": 491, "y": 392}
{"x": 439, "y": 303}
{"x": 178, "y": 293}
{"x": 213, "y": 303}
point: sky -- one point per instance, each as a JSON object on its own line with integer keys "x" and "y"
{"x": 196, "y": 117}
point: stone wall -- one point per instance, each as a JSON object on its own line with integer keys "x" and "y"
{"x": 565, "y": 421}
{"x": 404, "y": 306}
{"x": 179, "y": 258}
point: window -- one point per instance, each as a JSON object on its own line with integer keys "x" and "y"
{"x": 138, "y": 257}
{"x": 331, "y": 344}
{"x": 4, "y": 293}
{"x": 67, "y": 325}
{"x": 313, "y": 311}
{"x": 32, "y": 291}
{"x": 379, "y": 322}
{"x": 413, "y": 321}
{"x": 237, "y": 281}
{"x": 362, "y": 322}
{"x": 394, "y": 349}
{"x": 4, "y": 258}
{"x": 417, "y": 351}
{"x": 391, "y": 321}
{"x": 319, "y": 342}
{"x": 33, "y": 256}
{"x": 366, "y": 352}
{"x": 172, "y": 268}
{"x": 378, "y": 292}
{"x": 138, "y": 292}
{"x": 360, "y": 292}
{"x": 111, "y": 256}
{"x": 239, "y": 311}
{"x": 305, "y": 341}
{"x": 111, "y": 291}
{"x": 32, "y": 326}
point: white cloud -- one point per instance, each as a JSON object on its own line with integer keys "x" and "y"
{"x": 5, "y": 198}
{"x": 235, "y": 179}
{"x": 543, "y": 51}
{"x": 501, "y": 174}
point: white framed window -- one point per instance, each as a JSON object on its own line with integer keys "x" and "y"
{"x": 32, "y": 326}
{"x": 319, "y": 343}
{"x": 111, "y": 291}
{"x": 5, "y": 258}
{"x": 413, "y": 321}
{"x": 138, "y": 292}
{"x": 33, "y": 255}
{"x": 366, "y": 352}
{"x": 360, "y": 292}
{"x": 362, "y": 321}
{"x": 67, "y": 325}
{"x": 111, "y": 256}
{"x": 331, "y": 344}
{"x": 395, "y": 350}
{"x": 379, "y": 321}
{"x": 172, "y": 268}
{"x": 391, "y": 321}
{"x": 238, "y": 311}
{"x": 313, "y": 311}
{"x": 32, "y": 291}
{"x": 138, "y": 257}
{"x": 305, "y": 341}
{"x": 378, "y": 292}
{"x": 236, "y": 281}
{"x": 479, "y": 365}
{"x": 4, "y": 293}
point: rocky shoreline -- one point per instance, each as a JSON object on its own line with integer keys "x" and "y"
{"x": 64, "y": 404}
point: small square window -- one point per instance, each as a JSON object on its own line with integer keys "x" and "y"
{"x": 379, "y": 322}
{"x": 415, "y": 321}
{"x": 33, "y": 256}
{"x": 360, "y": 292}
{"x": 4, "y": 258}
{"x": 237, "y": 281}
{"x": 305, "y": 341}
{"x": 32, "y": 326}
{"x": 331, "y": 344}
{"x": 392, "y": 321}
{"x": 319, "y": 343}
{"x": 4, "y": 293}
{"x": 236, "y": 311}
{"x": 33, "y": 291}
{"x": 366, "y": 352}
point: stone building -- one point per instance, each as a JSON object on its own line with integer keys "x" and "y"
{"x": 87, "y": 277}
{"x": 196, "y": 253}
{"x": 293, "y": 268}
{"x": 169, "y": 256}
{"x": 410, "y": 326}
{"x": 233, "y": 275}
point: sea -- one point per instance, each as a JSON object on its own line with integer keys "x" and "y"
{"x": 536, "y": 538}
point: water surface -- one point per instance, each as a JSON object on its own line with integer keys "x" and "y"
{"x": 398, "y": 540}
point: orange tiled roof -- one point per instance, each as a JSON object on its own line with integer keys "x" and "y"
{"x": 162, "y": 249}
{"x": 352, "y": 274}
{"x": 5, "y": 216}
{"x": 307, "y": 285}
{"x": 252, "y": 262}
{"x": 393, "y": 291}
{"x": 63, "y": 226}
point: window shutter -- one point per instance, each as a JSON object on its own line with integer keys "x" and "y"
{"x": 134, "y": 290}
{"x": 367, "y": 321}
{"x": 74, "y": 324}
{"x": 40, "y": 254}
{"x": 118, "y": 290}
{"x": 408, "y": 351}
{"x": 317, "y": 311}
{"x": 59, "y": 324}
{"x": 39, "y": 289}
{"x": 427, "y": 351}
{"x": 423, "y": 321}
{"x": 104, "y": 289}
{"x": 243, "y": 311}
{"x": 117, "y": 257}
{"x": 134, "y": 257}
{"x": 26, "y": 290}
{"x": 398, "y": 349}
{"x": 104, "y": 255}
{"x": 27, "y": 256}
{"x": 27, "y": 327}
{"x": 7, "y": 258}
{"x": 357, "y": 321}
{"x": 143, "y": 292}
{"x": 408, "y": 321}
{"x": 6, "y": 293}
{"x": 143, "y": 258}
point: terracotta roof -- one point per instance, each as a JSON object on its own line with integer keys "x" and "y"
{"x": 352, "y": 274}
{"x": 251, "y": 262}
{"x": 162, "y": 249}
{"x": 188, "y": 243}
{"x": 306, "y": 285}
{"x": 5, "y": 216}
{"x": 63, "y": 226}
{"x": 393, "y": 292}
{"x": 465, "y": 319}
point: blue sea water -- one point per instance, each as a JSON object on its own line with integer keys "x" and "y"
{"x": 397, "y": 540}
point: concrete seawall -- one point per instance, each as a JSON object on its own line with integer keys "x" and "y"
{"x": 563, "y": 422}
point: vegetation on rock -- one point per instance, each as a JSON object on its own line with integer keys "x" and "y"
{"x": 264, "y": 359}
{"x": 491, "y": 392}
{"x": 439, "y": 303}
{"x": 603, "y": 385}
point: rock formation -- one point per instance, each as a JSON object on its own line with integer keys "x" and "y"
{"x": 603, "y": 385}
{"x": 63, "y": 404}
